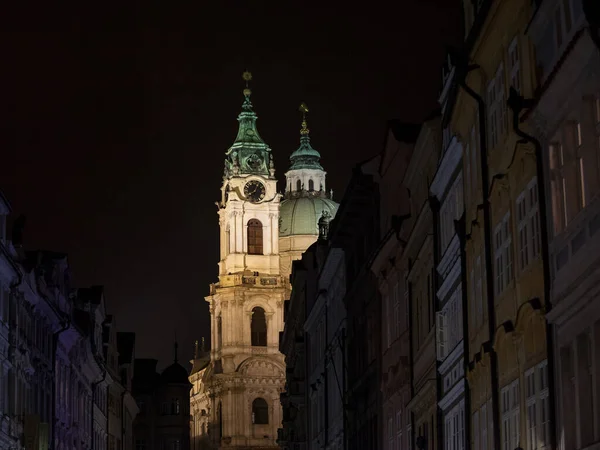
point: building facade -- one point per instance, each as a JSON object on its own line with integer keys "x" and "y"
{"x": 51, "y": 350}
{"x": 130, "y": 410}
{"x": 390, "y": 269}
{"x": 420, "y": 275}
{"x": 356, "y": 231}
{"x": 163, "y": 421}
{"x": 325, "y": 328}
{"x": 447, "y": 192}
{"x": 504, "y": 268}
{"x": 292, "y": 343}
{"x": 566, "y": 120}
{"x": 199, "y": 426}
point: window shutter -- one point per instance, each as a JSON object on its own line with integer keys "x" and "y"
{"x": 441, "y": 335}
{"x": 513, "y": 58}
{"x": 501, "y": 103}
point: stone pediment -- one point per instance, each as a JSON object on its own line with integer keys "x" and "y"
{"x": 260, "y": 367}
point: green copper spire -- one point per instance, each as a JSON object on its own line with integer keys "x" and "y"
{"x": 305, "y": 157}
{"x": 249, "y": 154}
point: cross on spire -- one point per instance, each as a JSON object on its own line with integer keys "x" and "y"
{"x": 304, "y": 109}
{"x": 247, "y": 76}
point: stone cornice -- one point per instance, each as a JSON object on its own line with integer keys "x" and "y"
{"x": 424, "y": 399}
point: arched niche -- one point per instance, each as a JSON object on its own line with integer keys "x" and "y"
{"x": 260, "y": 411}
{"x": 258, "y": 327}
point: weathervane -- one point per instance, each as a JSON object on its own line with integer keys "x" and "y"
{"x": 247, "y": 76}
{"x": 304, "y": 109}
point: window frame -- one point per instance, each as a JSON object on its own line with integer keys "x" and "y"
{"x": 260, "y": 408}
{"x": 510, "y": 415}
{"x": 537, "y": 406}
{"x": 255, "y": 237}
{"x": 503, "y": 265}
{"x": 514, "y": 55}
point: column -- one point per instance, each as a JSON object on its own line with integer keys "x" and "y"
{"x": 232, "y": 233}
{"x": 267, "y": 236}
{"x": 274, "y": 233}
{"x": 271, "y": 335}
{"x": 240, "y": 231}
{"x": 213, "y": 328}
{"x": 223, "y": 237}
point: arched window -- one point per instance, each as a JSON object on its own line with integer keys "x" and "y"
{"x": 258, "y": 328}
{"x": 311, "y": 185}
{"x": 298, "y": 185}
{"x": 255, "y": 237}
{"x": 260, "y": 412}
{"x": 175, "y": 407}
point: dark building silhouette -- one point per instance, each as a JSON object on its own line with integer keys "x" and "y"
{"x": 163, "y": 422}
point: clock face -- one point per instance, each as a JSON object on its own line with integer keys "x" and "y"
{"x": 254, "y": 191}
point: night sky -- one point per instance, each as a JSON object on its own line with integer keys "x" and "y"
{"x": 116, "y": 124}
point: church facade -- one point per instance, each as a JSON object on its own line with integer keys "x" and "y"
{"x": 235, "y": 396}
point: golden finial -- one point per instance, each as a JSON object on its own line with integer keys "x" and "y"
{"x": 247, "y": 76}
{"x": 304, "y": 109}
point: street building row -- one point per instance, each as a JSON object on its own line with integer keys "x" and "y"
{"x": 65, "y": 370}
{"x": 453, "y": 303}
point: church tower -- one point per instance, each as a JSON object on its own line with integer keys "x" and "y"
{"x": 306, "y": 202}
{"x": 240, "y": 388}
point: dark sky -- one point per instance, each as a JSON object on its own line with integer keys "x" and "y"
{"x": 116, "y": 124}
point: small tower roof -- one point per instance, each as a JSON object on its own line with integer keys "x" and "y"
{"x": 249, "y": 154}
{"x": 175, "y": 373}
{"x": 305, "y": 157}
